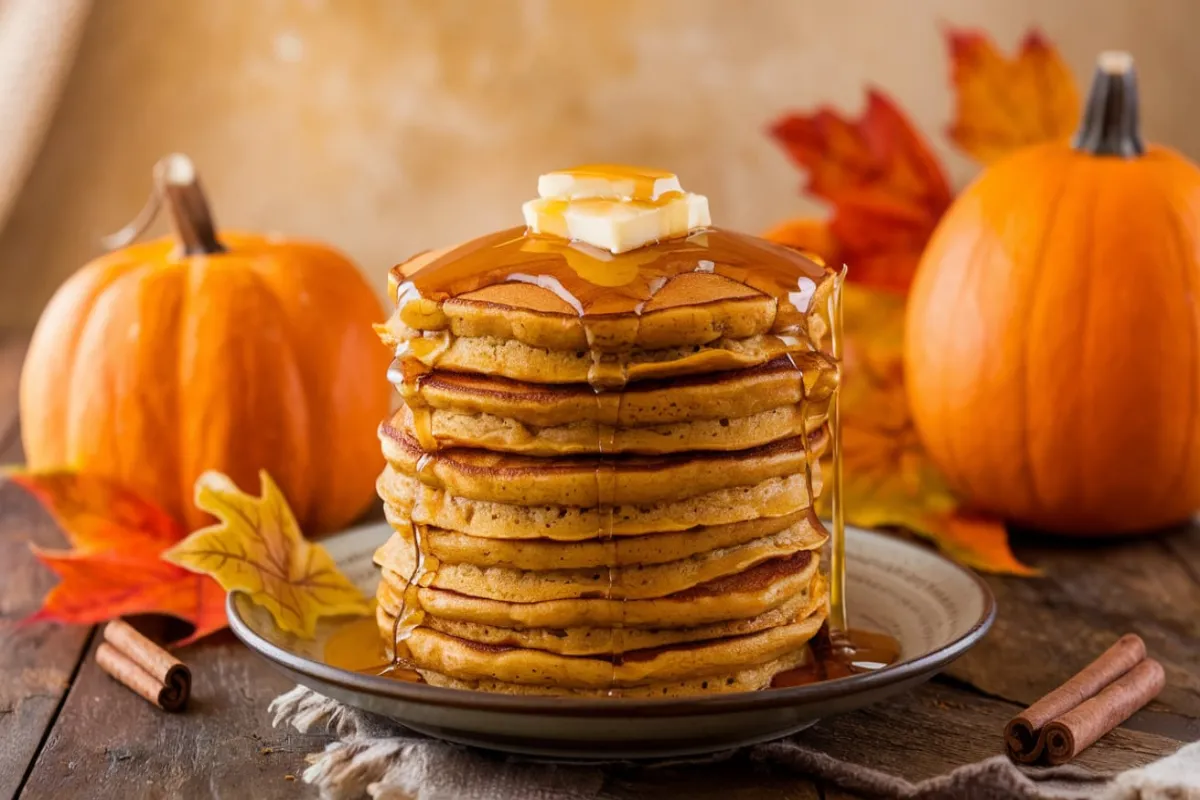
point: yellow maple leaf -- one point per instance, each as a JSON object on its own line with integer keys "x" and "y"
{"x": 889, "y": 480}
{"x": 257, "y": 548}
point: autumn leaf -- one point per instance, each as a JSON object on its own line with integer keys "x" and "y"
{"x": 887, "y": 192}
{"x": 1004, "y": 104}
{"x": 889, "y": 481}
{"x": 257, "y": 548}
{"x": 114, "y": 567}
{"x": 885, "y": 186}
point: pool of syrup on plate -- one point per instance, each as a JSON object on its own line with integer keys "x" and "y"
{"x": 609, "y": 293}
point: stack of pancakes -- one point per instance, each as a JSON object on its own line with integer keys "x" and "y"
{"x": 601, "y": 503}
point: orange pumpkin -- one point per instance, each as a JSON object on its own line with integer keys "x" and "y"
{"x": 162, "y": 360}
{"x": 1052, "y": 349}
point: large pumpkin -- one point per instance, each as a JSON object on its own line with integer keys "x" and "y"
{"x": 1052, "y": 348}
{"x": 162, "y": 360}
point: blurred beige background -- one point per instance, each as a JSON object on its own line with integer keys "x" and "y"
{"x": 389, "y": 126}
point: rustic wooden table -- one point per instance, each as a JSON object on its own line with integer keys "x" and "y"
{"x": 67, "y": 730}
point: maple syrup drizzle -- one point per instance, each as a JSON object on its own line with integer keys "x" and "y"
{"x": 599, "y": 283}
{"x": 839, "y": 620}
{"x": 835, "y": 655}
{"x": 599, "y": 287}
{"x": 356, "y": 646}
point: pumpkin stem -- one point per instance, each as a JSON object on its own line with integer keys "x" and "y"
{"x": 1110, "y": 125}
{"x": 176, "y": 182}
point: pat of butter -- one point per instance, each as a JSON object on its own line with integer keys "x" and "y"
{"x": 615, "y": 208}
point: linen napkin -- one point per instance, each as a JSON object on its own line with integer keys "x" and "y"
{"x": 376, "y": 757}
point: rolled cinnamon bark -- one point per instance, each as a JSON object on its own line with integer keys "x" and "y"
{"x": 1077, "y": 729}
{"x": 1021, "y": 735}
{"x": 144, "y": 667}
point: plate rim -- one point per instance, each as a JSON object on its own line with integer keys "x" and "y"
{"x": 474, "y": 700}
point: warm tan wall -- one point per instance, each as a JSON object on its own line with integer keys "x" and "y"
{"x": 389, "y": 126}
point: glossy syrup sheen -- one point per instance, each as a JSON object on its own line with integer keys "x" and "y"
{"x": 595, "y": 282}
{"x": 598, "y": 284}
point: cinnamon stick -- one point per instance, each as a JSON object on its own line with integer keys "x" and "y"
{"x": 1076, "y": 730}
{"x": 144, "y": 667}
{"x": 1023, "y": 735}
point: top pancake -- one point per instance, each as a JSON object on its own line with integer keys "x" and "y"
{"x": 538, "y": 291}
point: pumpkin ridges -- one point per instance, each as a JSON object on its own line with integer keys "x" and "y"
{"x": 239, "y": 408}
{"x": 296, "y": 405}
{"x": 960, "y": 476}
{"x": 101, "y": 381}
{"x": 1173, "y": 490}
{"x": 1060, "y": 327}
{"x": 337, "y": 296}
{"x": 49, "y": 361}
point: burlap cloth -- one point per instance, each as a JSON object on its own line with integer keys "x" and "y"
{"x": 38, "y": 39}
{"x": 378, "y": 758}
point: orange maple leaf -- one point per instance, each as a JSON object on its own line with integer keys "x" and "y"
{"x": 114, "y": 567}
{"x": 885, "y": 185}
{"x": 1005, "y": 104}
{"x": 887, "y": 192}
{"x": 889, "y": 480}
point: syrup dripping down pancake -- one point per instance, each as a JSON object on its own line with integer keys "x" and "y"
{"x": 723, "y": 395}
{"x": 681, "y": 293}
{"x": 733, "y": 597}
{"x": 571, "y": 481}
{"x": 605, "y": 641}
{"x": 434, "y": 506}
{"x": 749, "y": 679}
{"x": 449, "y": 429}
{"x": 632, "y": 582}
{"x": 466, "y": 660}
{"x": 454, "y": 547}
{"x": 518, "y": 361}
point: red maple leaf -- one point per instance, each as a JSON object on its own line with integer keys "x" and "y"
{"x": 113, "y": 567}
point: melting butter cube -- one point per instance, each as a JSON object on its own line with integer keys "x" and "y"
{"x": 615, "y": 208}
{"x": 610, "y": 181}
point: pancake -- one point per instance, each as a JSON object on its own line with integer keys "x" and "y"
{"x": 509, "y": 358}
{"x": 466, "y": 660}
{"x": 601, "y": 482}
{"x": 453, "y": 547}
{"x": 686, "y": 306}
{"x": 432, "y": 505}
{"x": 740, "y": 596}
{"x": 500, "y": 434}
{"x": 779, "y": 382}
{"x": 580, "y": 480}
{"x": 606, "y": 641}
{"x": 398, "y": 559}
{"x": 750, "y": 679}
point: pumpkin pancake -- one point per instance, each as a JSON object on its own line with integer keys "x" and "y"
{"x": 488, "y": 355}
{"x": 454, "y": 547}
{"x": 606, "y": 641}
{"x": 723, "y": 395}
{"x": 633, "y": 582}
{"x": 750, "y": 679}
{"x": 467, "y": 660}
{"x": 688, "y": 305}
{"x": 500, "y": 434}
{"x": 433, "y": 505}
{"x": 577, "y": 480}
{"x": 739, "y": 596}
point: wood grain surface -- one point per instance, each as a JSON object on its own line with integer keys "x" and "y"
{"x": 68, "y": 730}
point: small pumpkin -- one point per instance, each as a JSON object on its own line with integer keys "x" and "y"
{"x": 1052, "y": 349}
{"x": 241, "y": 352}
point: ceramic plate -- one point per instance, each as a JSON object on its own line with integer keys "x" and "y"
{"x": 936, "y": 609}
